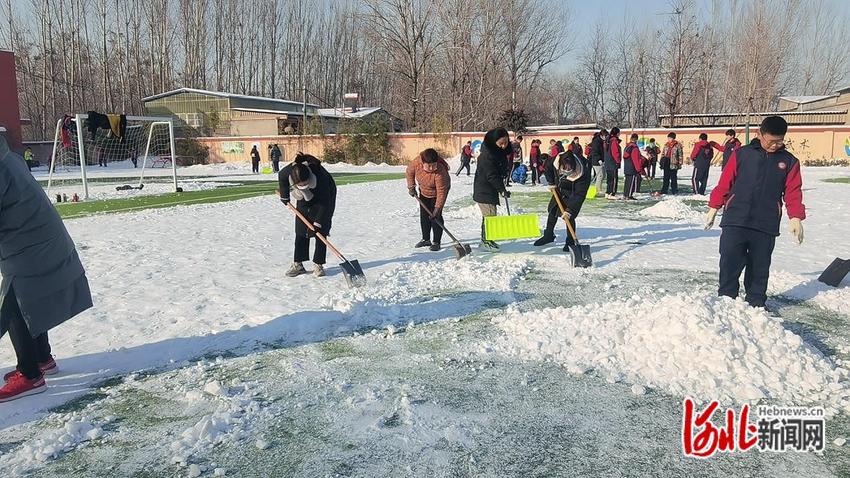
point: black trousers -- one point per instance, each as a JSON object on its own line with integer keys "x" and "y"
{"x": 613, "y": 177}
{"x": 302, "y": 250}
{"x": 276, "y": 166}
{"x": 555, "y": 216}
{"x": 534, "y": 174}
{"x": 650, "y": 168}
{"x": 631, "y": 186}
{"x": 255, "y": 166}
{"x": 427, "y": 224}
{"x": 464, "y": 163}
{"x": 671, "y": 181}
{"x": 743, "y": 248}
{"x": 699, "y": 179}
{"x": 29, "y": 350}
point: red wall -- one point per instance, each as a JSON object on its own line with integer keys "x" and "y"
{"x": 10, "y": 116}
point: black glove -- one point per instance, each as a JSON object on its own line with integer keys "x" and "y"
{"x": 285, "y": 201}
{"x": 506, "y": 194}
{"x": 412, "y": 192}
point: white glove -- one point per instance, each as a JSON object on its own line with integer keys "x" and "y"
{"x": 796, "y": 227}
{"x": 709, "y": 218}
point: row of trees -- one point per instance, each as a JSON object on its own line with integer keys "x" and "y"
{"x": 436, "y": 64}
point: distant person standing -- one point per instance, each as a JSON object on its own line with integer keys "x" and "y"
{"x": 671, "y": 161}
{"x": 255, "y": 160}
{"x": 29, "y": 157}
{"x": 701, "y": 157}
{"x": 276, "y": 154}
{"x": 757, "y": 180}
{"x": 44, "y": 283}
{"x": 516, "y": 155}
{"x": 134, "y": 157}
{"x": 465, "y": 158}
{"x": 575, "y": 147}
{"x": 633, "y": 168}
{"x": 613, "y": 158}
{"x": 534, "y": 160}
{"x": 729, "y": 146}
{"x": 652, "y": 151}
{"x": 597, "y": 156}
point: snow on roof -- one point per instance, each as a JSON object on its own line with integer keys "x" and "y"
{"x": 274, "y": 112}
{"x": 805, "y": 99}
{"x": 221, "y": 94}
{"x": 757, "y": 113}
{"x": 339, "y": 113}
{"x": 842, "y": 90}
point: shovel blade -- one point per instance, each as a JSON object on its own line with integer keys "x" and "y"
{"x": 462, "y": 250}
{"x": 353, "y": 273}
{"x": 835, "y": 273}
{"x": 580, "y": 254}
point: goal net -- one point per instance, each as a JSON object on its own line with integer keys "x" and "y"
{"x": 95, "y": 159}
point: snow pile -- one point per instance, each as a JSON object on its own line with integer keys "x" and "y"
{"x": 705, "y": 347}
{"x": 75, "y": 432}
{"x": 420, "y": 279}
{"x": 672, "y": 208}
{"x": 468, "y": 212}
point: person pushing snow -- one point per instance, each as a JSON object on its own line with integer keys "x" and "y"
{"x": 314, "y": 189}
{"x": 569, "y": 175}
{"x": 757, "y": 178}
{"x": 489, "y": 181}
{"x": 431, "y": 173}
{"x": 44, "y": 283}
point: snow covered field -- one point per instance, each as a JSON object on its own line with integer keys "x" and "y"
{"x": 510, "y": 364}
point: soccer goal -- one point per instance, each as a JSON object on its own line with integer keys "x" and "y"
{"x": 107, "y": 150}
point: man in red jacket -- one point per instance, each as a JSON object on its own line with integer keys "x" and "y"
{"x": 753, "y": 185}
{"x": 633, "y": 168}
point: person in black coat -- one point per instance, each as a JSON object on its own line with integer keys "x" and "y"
{"x": 569, "y": 175}
{"x": 275, "y": 155}
{"x": 255, "y": 160}
{"x": 490, "y": 176}
{"x": 314, "y": 189}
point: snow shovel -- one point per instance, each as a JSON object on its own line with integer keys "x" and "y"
{"x": 835, "y": 273}
{"x": 520, "y": 226}
{"x": 461, "y": 250}
{"x": 350, "y": 269}
{"x": 580, "y": 252}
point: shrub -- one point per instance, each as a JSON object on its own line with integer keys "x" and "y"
{"x": 359, "y": 142}
{"x": 190, "y": 151}
{"x": 514, "y": 120}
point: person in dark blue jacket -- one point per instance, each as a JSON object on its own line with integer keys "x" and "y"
{"x": 701, "y": 157}
{"x": 752, "y": 188}
{"x": 613, "y": 158}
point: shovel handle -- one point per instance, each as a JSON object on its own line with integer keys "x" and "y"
{"x": 318, "y": 234}
{"x": 439, "y": 223}
{"x": 564, "y": 211}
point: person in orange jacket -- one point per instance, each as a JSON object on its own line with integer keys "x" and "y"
{"x": 431, "y": 174}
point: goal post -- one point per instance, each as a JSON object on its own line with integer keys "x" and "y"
{"x": 146, "y": 139}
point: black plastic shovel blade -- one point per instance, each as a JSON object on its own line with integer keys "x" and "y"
{"x": 353, "y": 273}
{"x": 462, "y": 250}
{"x": 581, "y": 255}
{"x": 835, "y": 273}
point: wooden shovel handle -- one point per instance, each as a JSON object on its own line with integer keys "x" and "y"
{"x": 318, "y": 234}
{"x": 564, "y": 211}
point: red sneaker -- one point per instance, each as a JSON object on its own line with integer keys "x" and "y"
{"x": 19, "y": 386}
{"x": 47, "y": 368}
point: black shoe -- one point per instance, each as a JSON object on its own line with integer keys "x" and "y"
{"x": 423, "y": 243}
{"x": 435, "y": 247}
{"x": 546, "y": 239}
